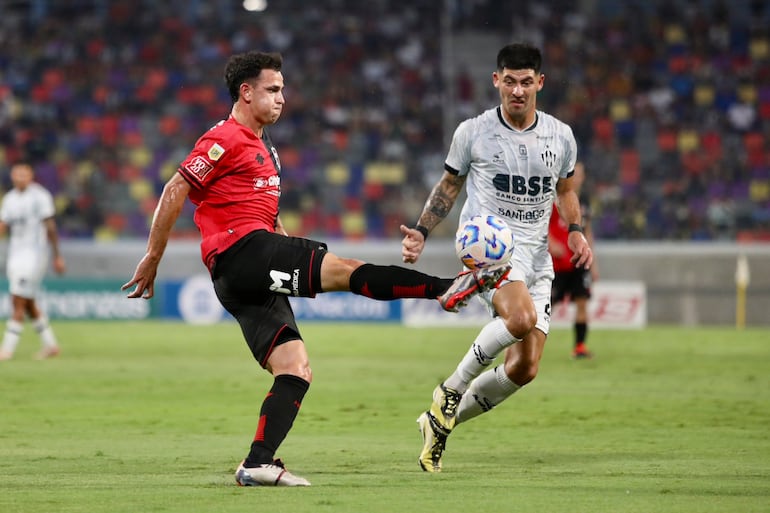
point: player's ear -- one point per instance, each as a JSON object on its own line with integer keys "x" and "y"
{"x": 246, "y": 91}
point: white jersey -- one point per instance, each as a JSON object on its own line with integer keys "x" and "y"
{"x": 24, "y": 213}
{"x": 513, "y": 173}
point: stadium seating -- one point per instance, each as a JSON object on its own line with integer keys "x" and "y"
{"x": 669, "y": 101}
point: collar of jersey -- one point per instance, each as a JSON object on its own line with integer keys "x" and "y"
{"x": 509, "y": 127}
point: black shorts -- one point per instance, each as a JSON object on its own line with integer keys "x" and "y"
{"x": 254, "y": 278}
{"x": 571, "y": 284}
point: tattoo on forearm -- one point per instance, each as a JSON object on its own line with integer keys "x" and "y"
{"x": 440, "y": 202}
{"x": 439, "y": 206}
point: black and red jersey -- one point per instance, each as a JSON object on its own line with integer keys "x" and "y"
{"x": 235, "y": 185}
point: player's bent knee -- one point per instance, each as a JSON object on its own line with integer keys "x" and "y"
{"x": 304, "y": 372}
{"x": 520, "y": 322}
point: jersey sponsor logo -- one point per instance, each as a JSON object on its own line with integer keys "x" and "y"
{"x": 523, "y": 152}
{"x": 261, "y": 182}
{"x": 522, "y": 215}
{"x": 215, "y": 152}
{"x": 520, "y": 185}
{"x": 199, "y": 167}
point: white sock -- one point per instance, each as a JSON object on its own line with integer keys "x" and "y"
{"x": 45, "y": 332}
{"x": 491, "y": 340}
{"x": 13, "y": 331}
{"x": 487, "y": 391}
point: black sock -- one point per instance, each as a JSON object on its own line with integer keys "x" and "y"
{"x": 279, "y": 409}
{"x": 393, "y": 282}
{"x": 581, "y": 330}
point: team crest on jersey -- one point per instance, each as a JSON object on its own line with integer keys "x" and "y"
{"x": 215, "y": 152}
{"x": 200, "y": 167}
{"x": 548, "y": 157}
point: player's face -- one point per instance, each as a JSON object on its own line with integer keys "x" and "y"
{"x": 265, "y": 97}
{"x": 518, "y": 93}
{"x": 21, "y": 176}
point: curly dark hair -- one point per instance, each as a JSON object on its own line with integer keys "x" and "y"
{"x": 246, "y": 66}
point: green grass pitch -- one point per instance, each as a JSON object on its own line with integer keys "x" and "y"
{"x": 154, "y": 417}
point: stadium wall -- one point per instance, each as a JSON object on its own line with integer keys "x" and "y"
{"x": 686, "y": 283}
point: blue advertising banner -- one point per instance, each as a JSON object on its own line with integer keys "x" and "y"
{"x": 194, "y": 301}
{"x": 344, "y": 306}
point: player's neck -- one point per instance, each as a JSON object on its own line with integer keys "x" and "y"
{"x": 241, "y": 116}
{"x": 520, "y": 123}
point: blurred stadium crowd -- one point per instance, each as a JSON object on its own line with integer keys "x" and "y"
{"x": 669, "y": 101}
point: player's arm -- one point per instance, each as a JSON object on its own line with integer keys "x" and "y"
{"x": 589, "y": 234}
{"x": 53, "y": 239}
{"x": 166, "y": 213}
{"x": 555, "y": 247}
{"x": 438, "y": 205}
{"x": 4, "y": 228}
{"x": 569, "y": 210}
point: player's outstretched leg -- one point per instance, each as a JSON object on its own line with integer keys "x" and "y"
{"x": 469, "y": 283}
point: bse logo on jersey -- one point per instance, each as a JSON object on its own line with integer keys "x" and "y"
{"x": 527, "y": 194}
{"x": 521, "y": 186}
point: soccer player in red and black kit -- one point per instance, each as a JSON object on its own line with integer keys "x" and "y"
{"x": 570, "y": 282}
{"x": 232, "y": 176}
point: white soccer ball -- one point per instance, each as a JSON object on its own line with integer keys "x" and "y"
{"x": 484, "y": 241}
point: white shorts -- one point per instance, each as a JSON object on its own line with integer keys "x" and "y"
{"x": 25, "y": 274}
{"x": 537, "y": 278}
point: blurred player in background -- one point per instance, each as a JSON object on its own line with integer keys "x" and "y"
{"x": 516, "y": 161}
{"x": 232, "y": 176}
{"x": 27, "y": 212}
{"x": 570, "y": 282}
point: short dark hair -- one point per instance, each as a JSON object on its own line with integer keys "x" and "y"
{"x": 246, "y": 66}
{"x": 519, "y": 56}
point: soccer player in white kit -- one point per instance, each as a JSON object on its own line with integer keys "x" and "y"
{"x": 27, "y": 212}
{"x": 516, "y": 161}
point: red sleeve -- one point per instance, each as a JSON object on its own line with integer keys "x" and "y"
{"x": 207, "y": 161}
